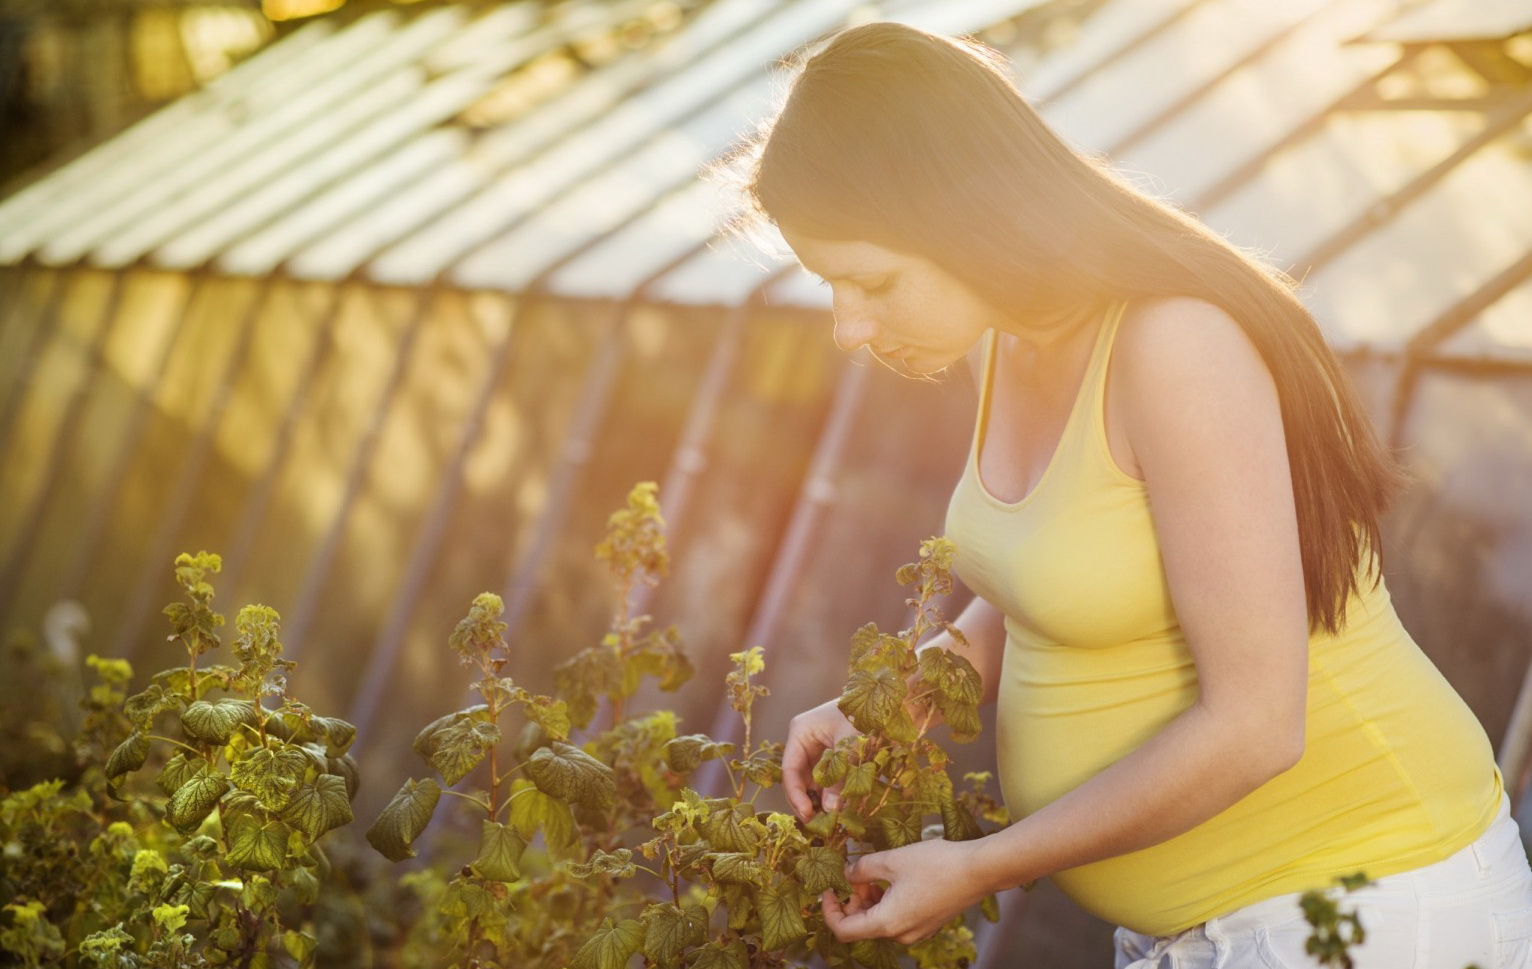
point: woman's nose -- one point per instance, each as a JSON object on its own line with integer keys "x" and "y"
{"x": 853, "y": 326}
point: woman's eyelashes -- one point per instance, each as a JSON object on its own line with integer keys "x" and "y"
{"x": 868, "y": 287}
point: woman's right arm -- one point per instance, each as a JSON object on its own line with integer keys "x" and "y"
{"x": 811, "y": 732}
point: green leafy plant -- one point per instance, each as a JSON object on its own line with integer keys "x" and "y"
{"x": 594, "y": 850}
{"x": 194, "y": 870}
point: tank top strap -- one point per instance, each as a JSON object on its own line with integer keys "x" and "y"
{"x": 1093, "y": 387}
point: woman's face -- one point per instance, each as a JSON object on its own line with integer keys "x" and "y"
{"x": 901, "y": 306}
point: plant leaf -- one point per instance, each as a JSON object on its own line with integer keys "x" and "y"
{"x": 957, "y": 823}
{"x": 256, "y": 846}
{"x": 820, "y": 869}
{"x": 733, "y": 829}
{"x": 215, "y": 723}
{"x": 611, "y": 946}
{"x": 338, "y": 734}
{"x": 129, "y": 756}
{"x": 270, "y": 775}
{"x": 877, "y": 953}
{"x": 618, "y": 864}
{"x": 685, "y": 754}
{"x": 195, "y": 799}
{"x": 716, "y": 955}
{"x": 873, "y": 700}
{"x": 737, "y": 868}
{"x": 319, "y": 807}
{"x": 177, "y": 771}
{"x": 566, "y": 772}
{"x": 500, "y": 849}
{"x": 897, "y": 826}
{"x": 668, "y": 930}
{"x": 781, "y": 915}
{"x": 832, "y": 767}
{"x": 535, "y": 811}
{"x": 859, "y": 780}
{"x": 404, "y": 818}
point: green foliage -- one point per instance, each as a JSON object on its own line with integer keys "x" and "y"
{"x": 594, "y": 852}
{"x": 214, "y": 863}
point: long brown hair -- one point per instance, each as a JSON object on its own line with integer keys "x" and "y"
{"x": 922, "y": 144}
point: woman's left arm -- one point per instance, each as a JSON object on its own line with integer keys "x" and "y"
{"x": 1205, "y": 427}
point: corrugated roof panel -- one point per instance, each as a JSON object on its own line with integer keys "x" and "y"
{"x": 424, "y": 254}
{"x": 1312, "y": 190}
{"x": 483, "y": 38}
{"x": 619, "y": 262}
{"x": 340, "y": 251}
{"x": 18, "y": 233}
{"x": 617, "y": 193}
{"x": 1435, "y": 252}
{"x": 1119, "y": 97}
{"x": 1252, "y": 110}
{"x": 365, "y": 188}
{"x": 370, "y": 57}
{"x": 182, "y": 158}
{"x": 1100, "y": 36}
{"x": 417, "y": 110}
{"x": 1458, "y": 20}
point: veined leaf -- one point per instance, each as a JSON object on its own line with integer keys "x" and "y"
{"x": 319, "y": 807}
{"x": 738, "y": 868}
{"x": 550, "y": 714}
{"x": 781, "y": 915}
{"x": 860, "y": 780}
{"x": 832, "y": 767}
{"x": 873, "y": 700}
{"x": 178, "y": 770}
{"x": 957, "y": 823}
{"x": 338, "y": 734}
{"x": 618, "y": 864}
{"x": 565, "y": 771}
{"x": 344, "y": 767}
{"x": 876, "y": 953}
{"x": 716, "y": 955}
{"x": 129, "y": 756}
{"x": 611, "y": 946}
{"x": 668, "y": 930}
{"x": 898, "y": 827}
{"x": 270, "y": 775}
{"x": 500, "y": 849}
{"x": 820, "y": 869}
{"x": 686, "y": 754}
{"x": 257, "y": 846}
{"x": 404, "y": 818}
{"x": 195, "y": 799}
{"x": 215, "y": 723}
{"x": 142, "y": 708}
{"x": 733, "y": 829}
{"x": 535, "y": 811}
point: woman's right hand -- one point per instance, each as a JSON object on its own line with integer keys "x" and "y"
{"x": 810, "y": 734}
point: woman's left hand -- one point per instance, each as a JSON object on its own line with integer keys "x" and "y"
{"x": 922, "y": 893}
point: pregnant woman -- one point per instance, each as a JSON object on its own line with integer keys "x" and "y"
{"x": 1169, "y": 517}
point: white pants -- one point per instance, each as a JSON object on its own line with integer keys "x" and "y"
{"x": 1474, "y": 908}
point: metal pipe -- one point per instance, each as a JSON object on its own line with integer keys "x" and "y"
{"x": 63, "y": 440}
{"x": 162, "y": 547}
{"x": 127, "y": 442}
{"x": 258, "y": 500}
{"x": 814, "y": 499}
{"x": 43, "y": 330}
{"x": 311, "y": 589}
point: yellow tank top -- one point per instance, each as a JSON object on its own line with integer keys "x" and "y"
{"x": 1397, "y": 772}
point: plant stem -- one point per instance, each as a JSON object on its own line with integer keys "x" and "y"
{"x": 177, "y": 743}
{"x": 467, "y": 797}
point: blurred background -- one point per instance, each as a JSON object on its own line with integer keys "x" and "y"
{"x": 391, "y": 303}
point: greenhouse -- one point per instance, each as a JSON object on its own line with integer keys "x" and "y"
{"x": 397, "y": 309}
